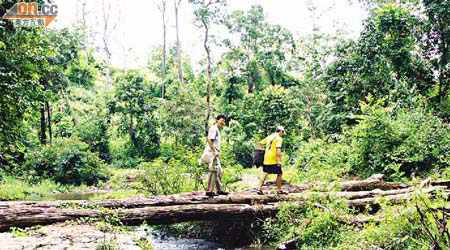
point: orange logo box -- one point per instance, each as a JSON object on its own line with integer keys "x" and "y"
{"x": 24, "y": 10}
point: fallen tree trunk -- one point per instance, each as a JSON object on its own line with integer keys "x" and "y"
{"x": 21, "y": 217}
{"x": 199, "y": 198}
{"x": 373, "y": 182}
{"x": 245, "y": 197}
{"x": 288, "y": 245}
{"x": 393, "y": 199}
{"x": 197, "y": 206}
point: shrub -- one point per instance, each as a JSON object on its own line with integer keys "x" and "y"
{"x": 231, "y": 174}
{"x": 316, "y": 228}
{"x": 322, "y": 160}
{"x": 94, "y": 133}
{"x": 169, "y": 177}
{"x": 417, "y": 225}
{"x": 136, "y": 109}
{"x": 239, "y": 149}
{"x": 122, "y": 153}
{"x": 67, "y": 161}
{"x": 106, "y": 245}
{"x": 398, "y": 142}
{"x": 180, "y": 172}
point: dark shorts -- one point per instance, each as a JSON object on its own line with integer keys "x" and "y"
{"x": 272, "y": 169}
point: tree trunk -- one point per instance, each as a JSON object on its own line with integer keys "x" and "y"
{"x": 107, "y": 30}
{"x": 362, "y": 184}
{"x": 21, "y": 217}
{"x": 50, "y": 134}
{"x": 132, "y": 133}
{"x": 180, "y": 69}
{"x": 288, "y": 245}
{"x": 443, "y": 64}
{"x": 192, "y": 206}
{"x": 43, "y": 136}
{"x": 197, "y": 206}
{"x": 162, "y": 9}
{"x": 86, "y": 47}
{"x": 107, "y": 67}
{"x": 208, "y": 82}
{"x": 164, "y": 56}
{"x": 197, "y": 198}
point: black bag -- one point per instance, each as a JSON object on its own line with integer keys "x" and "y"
{"x": 258, "y": 157}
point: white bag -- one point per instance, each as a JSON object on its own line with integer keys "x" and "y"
{"x": 207, "y": 156}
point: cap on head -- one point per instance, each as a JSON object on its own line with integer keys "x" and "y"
{"x": 280, "y": 128}
{"x": 220, "y": 117}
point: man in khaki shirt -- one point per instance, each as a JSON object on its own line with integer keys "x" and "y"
{"x": 211, "y": 156}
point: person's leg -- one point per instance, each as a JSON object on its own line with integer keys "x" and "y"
{"x": 218, "y": 175}
{"x": 211, "y": 180}
{"x": 211, "y": 177}
{"x": 261, "y": 181}
{"x": 279, "y": 181}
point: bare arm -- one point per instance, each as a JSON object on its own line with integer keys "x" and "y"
{"x": 213, "y": 148}
{"x": 279, "y": 156}
{"x": 260, "y": 146}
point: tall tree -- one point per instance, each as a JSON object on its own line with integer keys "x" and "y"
{"x": 63, "y": 47}
{"x": 437, "y": 42}
{"x": 30, "y": 79}
{"x": 384, "y": 63}
{"x": 180, "y": 69}
{"x": 154, "y": 64}
{"x": 207, "y": 13}
{"x": 162, "y": 9}
{"x": 377, "y": 3}
{"x": 85, "y": 28}
{"x": 109, "y": 24}
{"x": 266, "y": 47}
{"x": 135, "y": 104}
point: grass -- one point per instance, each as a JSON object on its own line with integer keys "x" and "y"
{"x": 12, "y": 188}
{"x": 24, "y": 232}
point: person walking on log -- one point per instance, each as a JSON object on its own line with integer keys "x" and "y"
{"x": 272, "y": 158}
{"x": 211, "y": 156}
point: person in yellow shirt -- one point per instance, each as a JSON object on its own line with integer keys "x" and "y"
{"x": 272, "y": 158}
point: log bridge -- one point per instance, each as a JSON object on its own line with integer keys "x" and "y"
{"x": 196, "y": 206}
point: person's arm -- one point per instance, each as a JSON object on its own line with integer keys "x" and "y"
{"x": 279, "y": 141}
{"x": 213, "y": 148}
{"x": 261, "y": 143}
{"x": 279, "y": 157}
{"x": 211, "y": 137}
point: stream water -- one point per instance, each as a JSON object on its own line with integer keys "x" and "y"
{"x": 162, "y": 240}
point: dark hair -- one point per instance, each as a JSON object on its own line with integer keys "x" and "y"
{"x": 220, "y": 117}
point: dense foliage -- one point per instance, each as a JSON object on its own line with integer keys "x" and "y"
{"x": 67, "y": 161}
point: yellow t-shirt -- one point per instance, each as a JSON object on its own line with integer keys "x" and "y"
{"x": 272, "y": 142}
